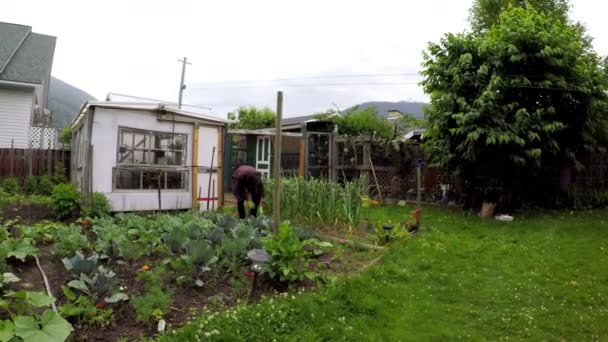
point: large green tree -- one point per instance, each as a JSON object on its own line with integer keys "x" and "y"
{"x": 528, "y": 92}
{"x": 485, "y": 13}
{"x": 251, "y": 117}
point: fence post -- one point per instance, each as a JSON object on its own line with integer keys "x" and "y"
{"x": 367, "y": 154}
{"x": 11, "y": 157}
{"x": 333, "y": 155}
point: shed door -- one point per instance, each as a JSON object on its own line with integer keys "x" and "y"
{"x": 263, "y": 150}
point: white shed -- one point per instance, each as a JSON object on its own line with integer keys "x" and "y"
{"x": 147, "y": 156}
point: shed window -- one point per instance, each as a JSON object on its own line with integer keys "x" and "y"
{"x": 151, "y": 148}
{"x": 132, "y": 179}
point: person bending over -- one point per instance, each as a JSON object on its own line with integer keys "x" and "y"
{"x": 247, "y": 182}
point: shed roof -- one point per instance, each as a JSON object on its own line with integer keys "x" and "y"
{"x": 152, "y": 107}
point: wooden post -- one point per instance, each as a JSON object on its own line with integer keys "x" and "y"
{"x": 276, "y": 198}
{"x": 11, "y": 157}
{"x": 333, "y": 155}
{"x": 367, "y": 154}
{"x": 195, "y": 166}
{"x": 418, "y": 181}
{"x": 220, "y": 167}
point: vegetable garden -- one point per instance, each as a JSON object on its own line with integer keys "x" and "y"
{"x": 128, "y": 276}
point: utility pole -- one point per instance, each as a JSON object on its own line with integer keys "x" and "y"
{"x": 182, "y": 86}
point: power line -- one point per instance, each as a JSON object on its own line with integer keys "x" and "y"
{"x": 312, "y": 78}
{"x": 307, "y": 85}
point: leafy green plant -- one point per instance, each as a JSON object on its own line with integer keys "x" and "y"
{"x": 65, "y": 136}
{"x": 78, "y": 264}
{"x": 45, "y": 186}
{"x": 318, "y": 201}
{"x": 200, "y": 252}
{"x": 65, "y": 200}
{"x": 100, "y": 286}
{"x": 87, "y": 313}
{"x": 40, "y": 232}
{"x": 29, "y": 185}
{"x": 109, "y": 236}
{"x": 68, "y": 240}
{"x": 10, "y": 185}
{"x": 290, "y": 259}
{"x": 175, "y": 239}
{"x": 18, "y": 248}
{"x": 129, "y": 250}
{"x": 100, "y": 206}
{"x": 25, "y": 322}
{"x": 152, "y": 305}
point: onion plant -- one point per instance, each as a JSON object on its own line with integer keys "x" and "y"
{"x": 317, "y": 201}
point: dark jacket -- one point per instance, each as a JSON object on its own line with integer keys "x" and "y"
{"x": 246, "y": 179}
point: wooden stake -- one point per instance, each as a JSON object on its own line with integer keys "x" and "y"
{"x": 210, "y": 176}
{"x": 195, "y": 167}
{"x": 371, "y": 164}
{"x": 276, "y": 198}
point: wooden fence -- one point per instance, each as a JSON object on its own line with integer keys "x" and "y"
{"x": 21, "y": 163}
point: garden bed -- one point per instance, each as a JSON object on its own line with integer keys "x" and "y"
{"x": 225, "y": 284}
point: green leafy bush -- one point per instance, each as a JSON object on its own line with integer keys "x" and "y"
{"x": 45, "y": 186}
{"x": 10, "y": 185}
{"x": 152, "y": 305}
{"x": 65, "y": 200}
{"x": 290, "y": 257}
{"x": 359, "y": 121}
{"x": 65, "y": 137}
{"x": 69, "y": 240}
{"x": 99, "y": 207}
{"x": 30, "y": 185}
{"x": 87, "y": 312}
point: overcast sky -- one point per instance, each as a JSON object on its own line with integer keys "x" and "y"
{"x": 132, "y": 47}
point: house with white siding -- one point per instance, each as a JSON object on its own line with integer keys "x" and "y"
{"x": 148, "y": 156}
{"x": 26, "y": 59}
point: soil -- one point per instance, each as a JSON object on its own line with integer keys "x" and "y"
{"x": 28, "y": 214}
{"x": 187, "y": 301}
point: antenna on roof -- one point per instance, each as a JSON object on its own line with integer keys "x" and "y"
{"x": 182, "y": 86}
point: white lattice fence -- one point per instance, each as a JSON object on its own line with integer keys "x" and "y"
{"x": 44, "y": 137}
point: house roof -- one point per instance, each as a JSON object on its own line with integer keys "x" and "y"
{"x": 153, "y": 107}
{"x": 297, "y": 120}
{"x": 25, "y": 56}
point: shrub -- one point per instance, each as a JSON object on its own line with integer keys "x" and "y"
{"x": 69, "y": 240}
{"x": 45, "y": 186}
{"x": 65, "y": 137}
{"x": 10, "y": 186}
{"x": 290, "y": 259}
{"x": 65, "y": 200}
{"x": 100, "y": 206}
{"x": 152, "y": 305}
{"x": 59, "y": 175}
{"x": 30, "y": 185}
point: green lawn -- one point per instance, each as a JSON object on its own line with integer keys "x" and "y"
{"x": 541, "y": 277}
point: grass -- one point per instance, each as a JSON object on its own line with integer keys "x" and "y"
{"x": 541, "y": 277}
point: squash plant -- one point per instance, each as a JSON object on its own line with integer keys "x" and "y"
{"x": 26, "y": 324}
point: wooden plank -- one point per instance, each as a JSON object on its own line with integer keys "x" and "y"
{"x": 276, "y": 198}
{"x": 220, "y": 165}
{"x": 195, "y": 166}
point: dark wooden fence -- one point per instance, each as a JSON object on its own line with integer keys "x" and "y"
{"x": 21, "y": 163}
